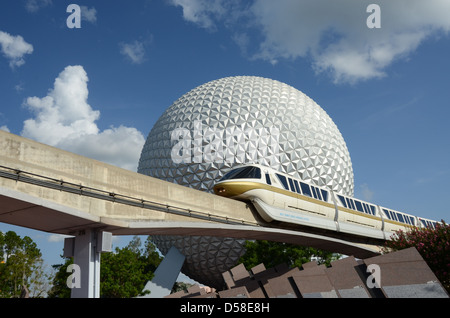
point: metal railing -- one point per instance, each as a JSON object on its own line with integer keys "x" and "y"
{"x": 61, "y": 185}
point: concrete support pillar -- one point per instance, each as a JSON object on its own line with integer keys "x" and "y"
{"x": 86, "y": 248}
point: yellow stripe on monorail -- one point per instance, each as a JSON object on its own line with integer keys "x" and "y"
{"x": 236, "y": 188}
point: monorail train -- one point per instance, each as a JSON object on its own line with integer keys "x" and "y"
{"x": 279, "y": 197}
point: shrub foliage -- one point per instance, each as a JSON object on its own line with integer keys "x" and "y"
{"x": 432, "y": 244}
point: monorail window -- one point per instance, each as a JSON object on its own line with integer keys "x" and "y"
{"x": 394, "y": 216}
{"x": 283, "y": 181}
{"x": 397, "y": 216}
{"x": 243, "y": 173}
{"x": 305, "y": 189}
{"x": 359, "y": 206}
{"x": 316, "y": 193}
{"x": 351, "y": 204}
{"x": 428, "y": 224}
{"x": 324, "y": 195}
{"x": 268, "y": 179}
{"x": 409, "y": 219}
{"x": 342, "y": 200}
{"x": 366, "y": 208}
{"x": 348, "y": 203}
{"x": 291, "y": 183}
{"x": 297, "y": 188}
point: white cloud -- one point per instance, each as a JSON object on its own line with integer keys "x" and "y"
{"x": 333, "y": 35}
{"x": 336, "y": 37}
{"x": 19, "y": 87}
{"x": 35, "y": 5}
{"x": 14, "y": 48}
{"x": 64, "y": 119}
{"x": 134, "y": 51}
{"x": 56, "y": 238}
{"x": 201, "y": 12}
{"x": 89, "y": 15}
{"x": 367, "y": 194}
{"x": 242, "y": 40}
{"x": 120, "y": 146}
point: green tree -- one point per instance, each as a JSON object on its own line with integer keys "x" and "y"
{"x": 274, "y": 253}
{"x": 59, "y": 288}
{"x": 123, "y": 273}
{"x": 179, "y": 286}
{"x": 40, "y": 280}
{"x": 432, "y": 244}
{"x": 20, "y": 258}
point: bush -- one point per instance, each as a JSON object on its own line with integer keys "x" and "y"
{"x": 432, "y": 244}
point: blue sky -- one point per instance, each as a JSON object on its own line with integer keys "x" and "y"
{"x": 387, "y": 89}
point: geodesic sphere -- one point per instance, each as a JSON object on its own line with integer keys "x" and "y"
{"x": 244, "y": 119}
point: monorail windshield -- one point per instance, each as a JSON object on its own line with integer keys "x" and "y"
{"x": 243, "y": 173}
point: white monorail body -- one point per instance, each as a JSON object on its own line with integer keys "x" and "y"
{"x": 280, "y": 197}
